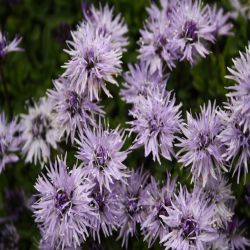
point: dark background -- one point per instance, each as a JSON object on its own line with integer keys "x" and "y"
{"x": 44, "y": 26}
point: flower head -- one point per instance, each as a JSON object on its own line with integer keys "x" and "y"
{"x": 7, "y": 46}
{"x": 99, "y": 149}
{"x": 73, "y": 110}
{"x": 235, "y": 139}
{"x": 10, "y": 141}
{"x": 156, "y": 43}
{"x": 200, "y": 146}
{"x": 190, "y": 219}
{"x": 193, "y": 28}
{"x": 63, "y": 208}
{"x": 232, "y": 236}
{"x": 106, "y": 206}
{"x": 156, "y": 120}
{"x": 156, "y": 199}
{"x": 106, "y": 23}
{"x": 94, "y": 61}
{"x": 139, "y": 81}
{"x": 39, "y": 132}
{"x": 218, "y": 192}
{"x": 132, "y": 211}
{"x": 241, "y": 91}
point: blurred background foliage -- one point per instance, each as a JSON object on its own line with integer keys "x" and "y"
{"x": 44, "y": 26}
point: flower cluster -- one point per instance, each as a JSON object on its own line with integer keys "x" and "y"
{"x": 180, "y": 30}
{"x": 100, "y": 194}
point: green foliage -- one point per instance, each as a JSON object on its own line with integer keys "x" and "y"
{"x": 29, "y": 74}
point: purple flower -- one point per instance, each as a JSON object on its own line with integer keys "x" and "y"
{"x": 9, "y": 238}
{"x": 94, "y": 61}
{"x": 232, "y": 236}
{"x": 235, "y": 140}
{"x": 73, "y": 110}
{"x": 62, "y": 210}
{"x": 99, "y": 149}
{"x": 156, "y": 120}
{"x": 132, "y": 212}
{"x": 156, "y": 199}
{"x": 190, "y": 219}
{"x": 106, "y": 206}
{"x": 219, "y": 193}
{"x": 105, "y": 22}
{"x": 9, "y": 141}
{"x": 139, "y": 81}
{"x": 222, "y": 25}
{"x": 200, "y": 147}
{"x": 156, "y": 42}
{"x": 39, "y": 132}
{"x": 7, "y": 46}
{"x": 241, "y": 91}
{"x": 192, "y": 29}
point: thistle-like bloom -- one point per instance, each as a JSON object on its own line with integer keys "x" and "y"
{"x": 222, "y": 25}
{"x": 200, "y": 147}
{"x": 139, "y": 81}
{"x": 9, "y": 141}
{"x": 39, "y": 132}
{"x": 7, "y": 46}
{"x": 156, "y": 120}
{"x": 106, "y": 206}
{"x": 241, "y": 91}
{"x": 9, "y": 237}
{"x": 156, "y": 42}
{"x": 219, "y": 193}
{"x": 132, "y": 212}
{"x": 193, "y": 28}
{"x": 94, "y": 61}
{"x": 106, "y": 23}
{"x": 99, "y": 149}
{"x": 235, "y": 140}
{"x": 73, "y": 110}
{"x": 190, "y": 219}
{"x": 63, "y": 209}
{"x": 232, "y": 236}
{"x": 156, "y": 199}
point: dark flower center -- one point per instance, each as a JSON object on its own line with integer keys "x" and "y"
{"x": 74, "y": 102}
{"x": 190, "y": 31}
{"x": 90, "y": 60}
{"x": 103, "y": 31}
{"x": 203, "y": 140}
{"x": 62, "y": 200}
{"x": 41, "y": 124}
{"x": 99, "y": 200}
{"x": 155, "y": 124}
{"x": 189, "y": 228}
{"x": 132, "y": 205}
{"x": 102, "y": 156}
{"x": 161, "y": 42}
